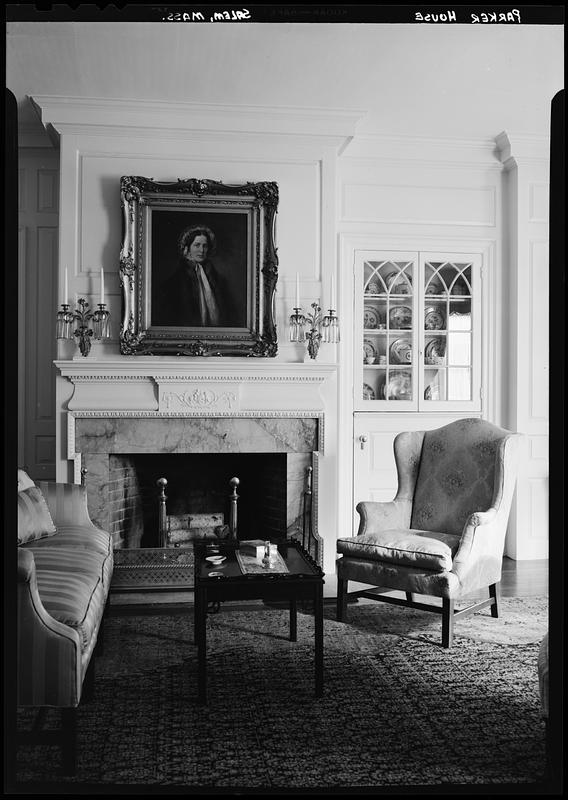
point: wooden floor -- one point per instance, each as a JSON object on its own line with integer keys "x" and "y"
{"x": 519, "y": 579}
{"x": 524, "y": 578}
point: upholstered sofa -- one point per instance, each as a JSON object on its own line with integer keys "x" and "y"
{"x": 65, "y": 565}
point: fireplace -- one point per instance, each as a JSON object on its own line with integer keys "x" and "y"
{"x": 197, "y": 484}
{"x": 124, "y": 454}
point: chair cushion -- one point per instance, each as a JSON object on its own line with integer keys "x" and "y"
{"x": 412, "y": 548}
{"x": 34, "y": 519}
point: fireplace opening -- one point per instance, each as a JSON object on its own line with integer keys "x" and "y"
{"x": 198, "y": 483}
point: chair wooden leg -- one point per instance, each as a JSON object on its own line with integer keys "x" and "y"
{"x": 409, "y": 597}
{"x": 69, "y": 740}
{"x": 341, "y": 599}
{"x": 494, "y": 593}
{"x": 447, "y": 622}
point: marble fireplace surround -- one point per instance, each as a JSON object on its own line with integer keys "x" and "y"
{"x": 132, "y": 406}
{"x": 95, "y": 436}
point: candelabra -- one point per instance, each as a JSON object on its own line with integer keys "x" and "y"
{"x": 100, "y": 320}
{"x": 320, "y": 328}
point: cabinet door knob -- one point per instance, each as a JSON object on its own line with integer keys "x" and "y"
{"x": 362, "y": 439}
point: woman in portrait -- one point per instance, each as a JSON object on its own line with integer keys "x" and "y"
{"x": 195, "y": 295}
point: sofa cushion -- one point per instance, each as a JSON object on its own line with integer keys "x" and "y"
{"x": 413, "y": 548}
{"x": 72, "y": 586}
{"x": 24, "y": 480}
{"x": 83, "y": 537}
{"x": 34, "y": 519}
{"x": 70, "y": 560}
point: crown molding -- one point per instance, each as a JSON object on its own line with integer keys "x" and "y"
{"x": 423, "y": 149}
{"x": 98, "y": 116}
{"x": 516, "y": 148}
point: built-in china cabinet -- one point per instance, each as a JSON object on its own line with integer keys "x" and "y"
{"x": 418, "y": 332}
{"x": 417, "y": 353}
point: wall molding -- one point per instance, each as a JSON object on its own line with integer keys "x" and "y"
{"x": 95, "y": 115}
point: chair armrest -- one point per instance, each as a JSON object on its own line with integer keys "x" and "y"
{"x": 378, "y": 516}
{"x": 45, "y": 647}
{"x": 67, "y": 503}
{"x": 479, "y": 557}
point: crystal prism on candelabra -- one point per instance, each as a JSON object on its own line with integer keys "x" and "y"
{"x": 101, "y": 322}
{"x": 297, "y": 322}
{"x": 64, "y": 326}
{"x": 331, "y": 327}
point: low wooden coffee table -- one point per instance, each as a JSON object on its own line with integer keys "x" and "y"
{"x": 303, "y": 581}
{"x": 153, "y": 569}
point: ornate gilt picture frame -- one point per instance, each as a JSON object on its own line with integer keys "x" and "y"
{"x": 198, "y": 268}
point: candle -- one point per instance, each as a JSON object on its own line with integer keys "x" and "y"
{"x": 332, "y": 299}
{"x": 66, "y": 289}
{"x": 102, "y": 286}
{"x": 297, "y": 290}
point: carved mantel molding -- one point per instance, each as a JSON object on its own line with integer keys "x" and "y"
{"x": 171, "y": 387}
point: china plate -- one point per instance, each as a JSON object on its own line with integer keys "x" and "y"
{"x": 434, "y": 319}
{"x": 397, "y": 283}
{"x": 434, "y": 287}
{"x": 400, "y": 352}
{"x": 434, "y": 350}
{"x": 373, "y": 287}
{"x": 371, "y": 317}
{"x": 216, "y": 559}
{"x": 368, "y": 392}
{"x": 369, "y": 349}
{"x": 399, "y": 387}
{"x": 400, "y": 317}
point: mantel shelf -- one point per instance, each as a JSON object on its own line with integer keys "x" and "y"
{"x": 214, "y": 369}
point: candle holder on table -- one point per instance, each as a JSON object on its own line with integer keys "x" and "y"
{"x": 90, "y": 324}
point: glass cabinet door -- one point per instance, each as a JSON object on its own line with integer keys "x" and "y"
{"x": 387, "y": 314}
{"x": 450, "y": 337}
{"x": 417, "y": 332}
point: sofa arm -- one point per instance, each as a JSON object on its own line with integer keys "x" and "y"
{"x": 48, "y": 652}
{"x": 376, "y": 516}
{"x": 67, "y": 503}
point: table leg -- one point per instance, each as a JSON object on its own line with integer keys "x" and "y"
{"x": 200, "y": 635}
{"x": 318, "y": 637}
{"x": 293, "y": 620}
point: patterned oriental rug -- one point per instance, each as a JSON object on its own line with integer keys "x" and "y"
{"x": 398, "y": 710}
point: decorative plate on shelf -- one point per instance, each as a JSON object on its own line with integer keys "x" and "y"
{"x": 435, "y": 286}
{"x": 373, "y": 287}
{"x": 368, "y": 392}
{"x": 399, "y": 387}
{"x": 371, "y": 317}
{"x": 400, "y": 317}
{"x": 400, "y": 352}
{"x": 434, "y": 319}
{"x": 369, "y": 349}
{"x": 397, "y": 283}
{"x": 432, "y": 391}
{"x": 435, "y": 350}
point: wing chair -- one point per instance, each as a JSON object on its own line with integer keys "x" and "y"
{"x": 443, "y": 535}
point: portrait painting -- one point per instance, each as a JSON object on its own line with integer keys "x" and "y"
{"x": 198, "y": 268}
